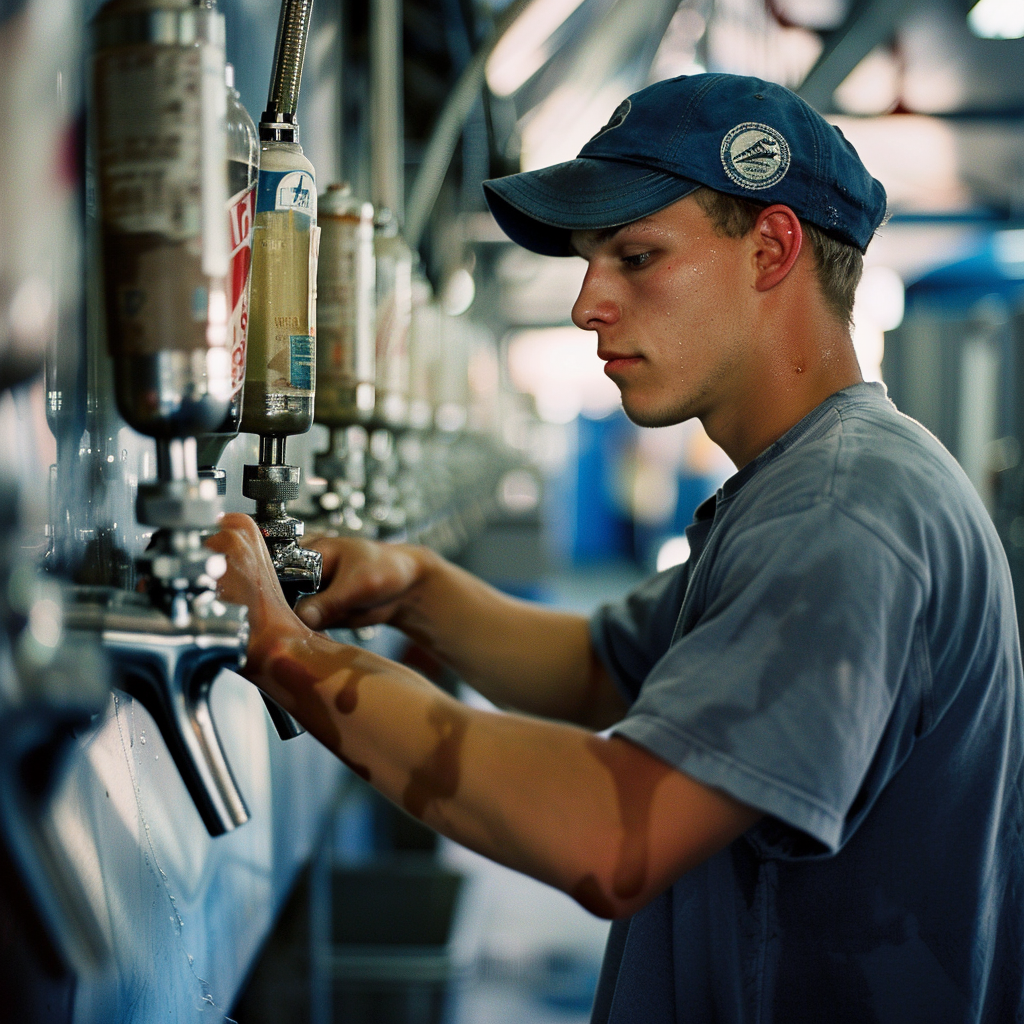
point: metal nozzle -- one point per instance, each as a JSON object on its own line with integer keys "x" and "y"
{"x": 289, "y": 54}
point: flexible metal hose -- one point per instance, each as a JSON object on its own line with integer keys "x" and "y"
{"x": 289, "y": 54}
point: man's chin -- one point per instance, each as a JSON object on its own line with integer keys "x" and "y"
{"x": 648, "y": 416}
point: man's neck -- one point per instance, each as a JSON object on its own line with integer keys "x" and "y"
{"x": 776, "y": 396}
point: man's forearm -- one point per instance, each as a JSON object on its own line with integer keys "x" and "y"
{"x": 522, "y": 655}
{"x": 598, "y": 818}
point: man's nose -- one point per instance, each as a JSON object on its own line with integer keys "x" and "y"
{"x": 594, "y": 306}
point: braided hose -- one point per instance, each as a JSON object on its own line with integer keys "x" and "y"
{"x": 289, "y": 54}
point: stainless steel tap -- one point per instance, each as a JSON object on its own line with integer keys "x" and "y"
{"x": 168, "y": 662}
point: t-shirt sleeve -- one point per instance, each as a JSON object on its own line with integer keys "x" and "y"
{"x": 794, "y": 689}
{"x": 630, "y": 636}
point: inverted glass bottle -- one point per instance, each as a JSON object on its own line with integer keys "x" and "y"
{"x": 243, "y": 168}
{"x": 346, "y": 313}
{"x": 159, "y": 106}
{"x": 281, "y": 346}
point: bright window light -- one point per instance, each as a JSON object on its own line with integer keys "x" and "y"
{"x": 880, "y": 297}
{"x": 459, "y": 292}
{"x": 1009, "y": 251}
{"x": 525, "y": 48}
{"x": 674, "y": 551}
{"x": 877, "y": 308}
{"x": 559, "y": 367}
{"x": 997, "y": 19}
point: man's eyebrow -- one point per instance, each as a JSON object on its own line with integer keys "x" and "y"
{"x": 602, "y": 235}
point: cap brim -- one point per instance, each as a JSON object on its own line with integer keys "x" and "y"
{"x": 540, "y": 209}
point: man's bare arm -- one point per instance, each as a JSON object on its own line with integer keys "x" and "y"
{"x": 517, "y": 654}
{"x": 601, "y": 819}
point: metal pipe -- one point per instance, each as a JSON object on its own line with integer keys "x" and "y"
{"x": 448, "y": 129}
{"x": 176, "y": 459}
{"x": 289, "y": 55}
{"x": 387, "y": 149}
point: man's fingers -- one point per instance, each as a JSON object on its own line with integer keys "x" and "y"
{"x": 336, "y": 600}
{"x": 310, "y": 612}
{"x": 330, "y": 547}
{"x": 361, "y": 578}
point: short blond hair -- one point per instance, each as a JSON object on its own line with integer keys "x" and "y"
{"x": 838, "y": 264}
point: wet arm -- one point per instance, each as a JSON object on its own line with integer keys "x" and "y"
{"x": 602, "y": 819}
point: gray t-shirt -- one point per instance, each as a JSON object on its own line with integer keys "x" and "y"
{"x": 840, "y": 651}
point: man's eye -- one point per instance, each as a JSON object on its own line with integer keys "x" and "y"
{"x": 637, "y": 260}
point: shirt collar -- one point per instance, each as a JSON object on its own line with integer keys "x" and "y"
{"x": 864, "y": 392}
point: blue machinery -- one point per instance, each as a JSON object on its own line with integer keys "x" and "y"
{"x": 152, "y": 819}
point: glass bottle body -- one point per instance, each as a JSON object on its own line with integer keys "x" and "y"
{"x": 160, "y": 153}
{"x": 281, "y": 346}
{"x": 394, "y": 316}
{"x": 243, "y": 169}
{"x": 346, "y": 311}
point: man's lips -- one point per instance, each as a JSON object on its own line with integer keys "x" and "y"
{"x": 614, "y": 361}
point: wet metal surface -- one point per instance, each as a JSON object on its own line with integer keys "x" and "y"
{"x": 185, "y": 913}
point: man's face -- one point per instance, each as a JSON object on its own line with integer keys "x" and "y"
{"x": 670, "y": 300}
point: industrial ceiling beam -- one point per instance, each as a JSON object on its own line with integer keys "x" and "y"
{"x": 867, "y": 24}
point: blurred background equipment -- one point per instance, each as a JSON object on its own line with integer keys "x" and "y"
{"x": 346, "y": 355}
{"x": 457, "y": 406}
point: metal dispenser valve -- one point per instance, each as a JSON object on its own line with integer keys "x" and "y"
{"x": 272, "y": 484}
{"x": 51, "y": 684}
{"x": 169, "y": 667}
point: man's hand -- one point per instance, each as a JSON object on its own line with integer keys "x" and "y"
{"x": 366, "y": 582}
{"x": 251, "y": 580}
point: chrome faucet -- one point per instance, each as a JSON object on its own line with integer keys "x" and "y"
{"x": 168, "y": 662}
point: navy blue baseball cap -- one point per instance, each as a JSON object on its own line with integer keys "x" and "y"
{"x": 735, "y": 134}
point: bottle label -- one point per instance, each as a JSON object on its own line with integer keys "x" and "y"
{"x": 346, "y": 303}
{"x": 240, "y": 220}
{"x": 161, "y": 169}
{"x": 303, "y": 353}
{"x": 282, "y": 191}
{"x": 150, "y": 138}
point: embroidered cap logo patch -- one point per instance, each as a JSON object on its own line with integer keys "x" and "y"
{"x": 755, "y": 156}
{"x": 618, "y": 116}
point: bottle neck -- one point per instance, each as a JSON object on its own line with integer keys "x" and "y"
{"x": 276, "y": 127}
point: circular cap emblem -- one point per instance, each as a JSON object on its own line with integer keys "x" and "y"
{"x": 754, "y": 155}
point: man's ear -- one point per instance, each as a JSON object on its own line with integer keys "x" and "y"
{"x": 778, "y": 237}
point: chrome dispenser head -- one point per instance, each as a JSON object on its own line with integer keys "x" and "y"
{"x": 169, "y": 667}
{"x": 272, "y": 487}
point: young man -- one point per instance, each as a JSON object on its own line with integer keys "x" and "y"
{"x": 810, "y": 804}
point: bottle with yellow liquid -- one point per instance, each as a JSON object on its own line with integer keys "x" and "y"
{"x": 280, "y": 366}
{"x": 280, "y": 378}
